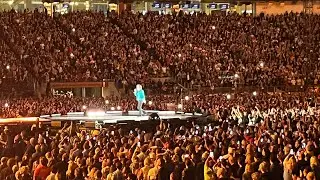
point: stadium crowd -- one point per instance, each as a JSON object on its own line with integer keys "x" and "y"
{"x": 86, "y": 48}
{"x": 216, "y": 50}
{"x": 246, "y": 136}
{"x": 198, "y": 49}
{"x": 267, "y": 136}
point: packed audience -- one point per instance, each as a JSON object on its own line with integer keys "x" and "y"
{"x": 39, "y": 42}
{"x": 248, "y": 136}
{"x": 275, "y": 136}
{"x": 12, "y": 71}
{"x": 199, "y": 49}
{"x": 216, "y": 50}
{"x": 80, "y": 46}
{"x": 109, "y": 53}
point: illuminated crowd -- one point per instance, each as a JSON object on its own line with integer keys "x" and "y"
{"x": 199, "y": 49}
{"x": 218, "y": 50}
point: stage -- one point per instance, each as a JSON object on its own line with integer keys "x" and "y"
{"x": 114, "y": 117}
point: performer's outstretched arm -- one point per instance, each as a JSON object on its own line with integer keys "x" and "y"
{"x": 135, "y": 92}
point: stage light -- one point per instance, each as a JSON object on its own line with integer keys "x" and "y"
{"x": 6, "y": 105}
{"x": 179, "y": 106}
{"x": 73, "y": 29}
{"x": 228, "y": 96}
{"x": 84, "y": 107}
{"x": 236, "y": 75}
{"x": 254, "y": 93}
{"x": 95, "y": 113}
{"x": 150, "y": 103}
{"x": 107, "y": 101}
{"x": 213, "y": 27}
{"x": 8, "y": 67}
{"x": 118, "y": 108}
{"x": 179, "y": 55}
{"x": 186, "y": 98}
{"x": 112, "y": 108}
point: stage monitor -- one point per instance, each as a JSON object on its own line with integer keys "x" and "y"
{"x": 154, "y": 116}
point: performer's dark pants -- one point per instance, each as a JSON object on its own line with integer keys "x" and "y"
{"x": 140, "y": 103}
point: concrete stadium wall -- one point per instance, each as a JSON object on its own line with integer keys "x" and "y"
{"x": 279, "y": 7}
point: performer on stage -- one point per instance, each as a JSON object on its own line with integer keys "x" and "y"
{"x": 140, "y": 97}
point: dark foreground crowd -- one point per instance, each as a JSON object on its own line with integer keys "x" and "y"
{"x": 262, "y": 137}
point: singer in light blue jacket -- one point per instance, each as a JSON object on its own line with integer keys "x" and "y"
{"x": 140, "y": 97}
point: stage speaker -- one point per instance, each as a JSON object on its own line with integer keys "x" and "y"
{"x": 154, "y": 116}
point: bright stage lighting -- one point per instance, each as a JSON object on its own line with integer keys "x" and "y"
{"x": 95, "y": 113}
{"x": 236, "y": 76}
{"x": 150, "y": 103}
{"x": 186, "y": 98}
{"x": 8, "y": 67}
{"x": 6, "y": 105}
{"x": 179, "y": 106}
{"x": 84, "y": 107}
{"x": 119, "y": 108}
{"x": 107, "y": 101}
{"x": 112, "y": 108}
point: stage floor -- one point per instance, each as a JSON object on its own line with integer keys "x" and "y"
{"x": 112, "y": 117}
